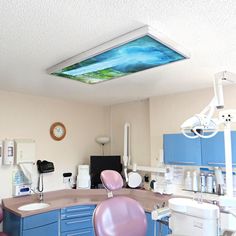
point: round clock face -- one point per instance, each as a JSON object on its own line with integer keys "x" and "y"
{"x": 58, "y": 131}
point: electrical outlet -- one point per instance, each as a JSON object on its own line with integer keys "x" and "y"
{"x": 66, "y": 180}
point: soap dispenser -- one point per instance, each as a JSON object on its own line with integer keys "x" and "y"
{"x": 188, "y": 181}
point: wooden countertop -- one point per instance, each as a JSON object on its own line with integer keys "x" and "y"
{"x": 71, "y": 197}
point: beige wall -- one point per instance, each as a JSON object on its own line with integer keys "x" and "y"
{"x": 137, "y": 114}
{"x": 152, "y": 118}
{"x": 24, "y": 116}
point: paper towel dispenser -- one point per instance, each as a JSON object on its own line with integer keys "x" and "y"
{"x": 24, "y": 151}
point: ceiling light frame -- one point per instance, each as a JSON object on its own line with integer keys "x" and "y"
{"x": 119, "y": 41}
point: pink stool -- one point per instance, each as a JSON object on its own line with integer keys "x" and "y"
{"x": 120, "y": 215}
{"x": 1, "y": 218}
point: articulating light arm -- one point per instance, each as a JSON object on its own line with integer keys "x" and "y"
{"x": 201, "y": 122}
{"x": 126, "y": 157}
{"x": 204, "y": 122}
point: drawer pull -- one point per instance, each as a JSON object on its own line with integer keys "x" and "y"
{"x": 215, "y": 163}
{"x": 218, "y": 163}
{"x": 77, "y": 215}
{"x": 78, "y": 209}
{"x": 77, "y": 221}
{"x": 79, "y": 233}
{"x": 182, "y": 162}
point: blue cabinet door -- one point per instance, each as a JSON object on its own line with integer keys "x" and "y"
{"x": 46, "y": 230}
{"x": 155, "y": 228}
{"x": 213, "y": 150}
{"x": 77, "y": 220}
{"x": 150, "y": 225}
{"x": 45, "y": 224}
{"x": 180, "y": 150}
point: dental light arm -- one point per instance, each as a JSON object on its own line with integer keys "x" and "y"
{"x": 126, "y": 157}
{"x": 201, "y": 122}
{"x": 204, "y": 121}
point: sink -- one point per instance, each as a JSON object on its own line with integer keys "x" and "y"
{"x": 33, "y": 206}
{"x": 194, "y": 208}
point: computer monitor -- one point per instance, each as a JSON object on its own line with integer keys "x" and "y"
{"x": 100, "y": 163}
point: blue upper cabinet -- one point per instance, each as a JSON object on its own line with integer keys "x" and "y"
{"x": 213, "y": 150}
{"x": 179, "y": 150}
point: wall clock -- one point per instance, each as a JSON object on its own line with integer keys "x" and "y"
{"x": 57, "y": 131}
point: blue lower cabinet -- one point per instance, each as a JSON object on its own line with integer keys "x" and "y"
{"x": 46, "y": 230}
{"x": 155, "y": 228}
{"x": 77, "y": 220}
{"x": 82, "y": 232}
{"x": 77, "y": 223}
{"x": 45, "y": 224}
{"x": 150, "y": 224}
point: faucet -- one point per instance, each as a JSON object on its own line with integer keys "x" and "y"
{"x": 39, "y": 193}
{"x": 39, "y": 188}
{"x": 41, "y": 196}
{"x": 198, "y": 197}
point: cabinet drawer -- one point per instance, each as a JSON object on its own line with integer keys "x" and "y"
{"x": 77, "y": 211}
{"x": 46, "y": 230}
{"x": 77, "y": 223}
{"x": 83, "y": 232}
{"x": 34, "y": 221}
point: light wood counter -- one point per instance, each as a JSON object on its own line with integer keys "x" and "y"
{"x": 71, "y": 197}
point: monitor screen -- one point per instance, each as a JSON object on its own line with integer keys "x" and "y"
{"x": 100, "y": 163}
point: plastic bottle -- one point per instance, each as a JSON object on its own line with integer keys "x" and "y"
{"x": 209, "y": 183}
{"x": 195, "y": 181}
{"x": 203, "y": 182}
{"x": 188, "y": 181}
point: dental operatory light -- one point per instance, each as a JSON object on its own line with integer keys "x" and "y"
{"x": 133, "y": 52}
{"x": 203, "y": 125}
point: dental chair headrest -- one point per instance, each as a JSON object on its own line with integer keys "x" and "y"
{"x": 111, "y": 180}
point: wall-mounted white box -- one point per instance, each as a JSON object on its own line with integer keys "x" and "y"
{"x": 8, "y": 152}
{"x": 25, "y": 151}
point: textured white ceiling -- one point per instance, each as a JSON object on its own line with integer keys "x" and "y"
{"x": 35, "y": 35}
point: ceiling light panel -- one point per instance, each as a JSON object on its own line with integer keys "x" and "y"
{"x": 133, "y": 52}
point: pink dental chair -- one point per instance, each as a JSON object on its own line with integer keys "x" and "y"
{"x": 1, "y": 218}
{"x": 119, "y": 215}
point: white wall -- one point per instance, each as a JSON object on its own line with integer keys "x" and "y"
{"x": 24, "y": 116}
{"x": 137, "y": 114}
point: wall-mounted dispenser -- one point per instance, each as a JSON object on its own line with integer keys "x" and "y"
{"x": 25, "y": 151}
{"x": 8, "y": 152}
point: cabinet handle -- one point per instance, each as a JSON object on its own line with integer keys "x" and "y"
{"x": 78, "y": 209}
{"x": 218, "y": 163}
{"x": 77, "y": 221}
{"x": 79, "y": 233}
{"x": 215, "y": 163}
{"x": 182, "y": 162}
{"x": 77, "y": 215}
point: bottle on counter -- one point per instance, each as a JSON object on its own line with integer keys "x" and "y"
{"x": 195, "y": 181}
{"x": 210, "y": 183}
{"x": 202, "y": 183}
{"x": 188, "y": 181}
